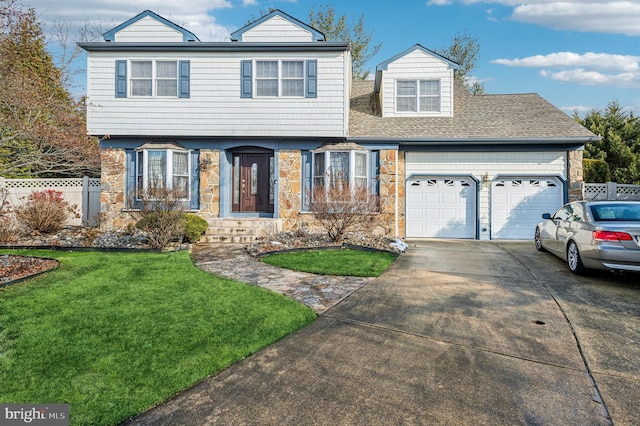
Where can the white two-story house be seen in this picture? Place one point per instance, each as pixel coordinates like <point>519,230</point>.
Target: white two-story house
<point>246,128</point>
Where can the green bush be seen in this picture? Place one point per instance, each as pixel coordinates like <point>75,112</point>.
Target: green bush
<point>193,227</point>
<point>596,171</point>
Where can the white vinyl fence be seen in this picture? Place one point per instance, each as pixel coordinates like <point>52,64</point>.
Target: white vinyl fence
<point>82,192</point>
<point>611,191</point>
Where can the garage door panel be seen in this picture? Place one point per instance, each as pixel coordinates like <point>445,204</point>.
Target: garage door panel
<point>447,206</point>
<point>518,204</point>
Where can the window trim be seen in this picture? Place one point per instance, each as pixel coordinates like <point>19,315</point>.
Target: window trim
<point>142,174</point>
<point>249,78</point>
<point>418,96</point>
<point>155,78</point>
<point>326,176</point>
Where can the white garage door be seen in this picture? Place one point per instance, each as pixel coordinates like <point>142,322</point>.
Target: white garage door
<point>517,205</point>
<point>441,207</point>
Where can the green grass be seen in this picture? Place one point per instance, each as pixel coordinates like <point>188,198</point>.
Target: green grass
<point>353,263</point>
<point>113,334</point>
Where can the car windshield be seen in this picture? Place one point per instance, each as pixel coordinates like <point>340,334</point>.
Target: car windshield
<point>615,212</point>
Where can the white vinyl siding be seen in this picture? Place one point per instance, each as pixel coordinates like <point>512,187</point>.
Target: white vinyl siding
<point>148,29</point>
<point>419,78</point>
<point>214,106</point>
<point>487,167</point>
<point>277,29</point>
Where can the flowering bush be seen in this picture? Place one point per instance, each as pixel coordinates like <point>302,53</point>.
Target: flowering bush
<point>45,211</point>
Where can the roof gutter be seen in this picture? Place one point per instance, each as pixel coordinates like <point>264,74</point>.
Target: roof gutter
<point>476,141</point>
<point>213,47</point>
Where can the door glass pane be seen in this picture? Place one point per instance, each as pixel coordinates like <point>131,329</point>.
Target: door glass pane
<point>254,178</point>
<point>236,180</point>
<point>272,179</point>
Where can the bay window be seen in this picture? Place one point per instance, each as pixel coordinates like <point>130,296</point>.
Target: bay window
<point>160,169</point>
<point>340,169</point>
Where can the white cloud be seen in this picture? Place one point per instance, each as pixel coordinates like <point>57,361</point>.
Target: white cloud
<point>603,16</point>
<point>589,69</point>
<point>108,13</point>
<point>599,61</point>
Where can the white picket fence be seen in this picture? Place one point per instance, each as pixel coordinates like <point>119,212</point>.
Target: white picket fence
<point>611,191</point>
<point>83,193</point>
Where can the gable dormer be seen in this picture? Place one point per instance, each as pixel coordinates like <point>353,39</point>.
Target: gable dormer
<point>415,83</point>
<point>277,27</point>
<point>149,27</point>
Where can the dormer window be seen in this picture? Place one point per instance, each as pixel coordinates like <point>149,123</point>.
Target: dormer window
<point>418,96</point>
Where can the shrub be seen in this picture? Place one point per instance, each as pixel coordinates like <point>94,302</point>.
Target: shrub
<point>45,211</point>
<point>160,215</point>
<point>596,171</point>
<point>193,227</point>
<point>339,209</point>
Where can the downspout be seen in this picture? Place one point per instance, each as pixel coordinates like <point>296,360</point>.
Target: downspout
<point>396,207</point>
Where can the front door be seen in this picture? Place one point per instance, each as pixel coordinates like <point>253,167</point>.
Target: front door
<point>251,183</point>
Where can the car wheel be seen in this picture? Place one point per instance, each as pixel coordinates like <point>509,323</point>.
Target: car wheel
<point>538,241</point>
<point>573,258</point>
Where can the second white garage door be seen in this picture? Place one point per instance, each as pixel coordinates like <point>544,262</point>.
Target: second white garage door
<point>441,207</point>
<point>517,205</point>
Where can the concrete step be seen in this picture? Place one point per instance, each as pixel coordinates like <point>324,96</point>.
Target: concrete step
<point>240,230</point>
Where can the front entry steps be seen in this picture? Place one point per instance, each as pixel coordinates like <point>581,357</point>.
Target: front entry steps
<point>240,230</point>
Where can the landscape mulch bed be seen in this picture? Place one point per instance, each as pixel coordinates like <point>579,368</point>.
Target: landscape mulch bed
<point>15,268</point>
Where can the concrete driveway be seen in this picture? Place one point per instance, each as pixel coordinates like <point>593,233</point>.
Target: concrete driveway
<point>455,332</point>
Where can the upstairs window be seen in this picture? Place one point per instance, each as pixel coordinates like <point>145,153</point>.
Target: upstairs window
<point>278,78</point>
<point>266,78</point>
<point>418,95</point>
<point>152,78</point>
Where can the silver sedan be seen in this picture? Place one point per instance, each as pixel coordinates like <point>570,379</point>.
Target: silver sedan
<point>593,234</point>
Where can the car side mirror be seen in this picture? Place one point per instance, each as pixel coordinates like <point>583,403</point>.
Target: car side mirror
<point>546,216</point>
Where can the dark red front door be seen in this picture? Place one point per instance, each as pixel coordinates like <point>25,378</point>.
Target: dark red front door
<point>251,183</point>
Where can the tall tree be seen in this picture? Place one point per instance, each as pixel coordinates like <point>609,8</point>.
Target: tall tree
<point>619,145</point>
<point>338,28</point>
<point>42,128</point>
<point>464,50</point>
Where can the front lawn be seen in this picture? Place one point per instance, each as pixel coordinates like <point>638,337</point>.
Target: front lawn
<point>114,334</point>
<point>353,263</point>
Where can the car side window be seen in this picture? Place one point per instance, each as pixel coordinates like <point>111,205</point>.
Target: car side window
<point>576,213</point>
<point>562,213</point>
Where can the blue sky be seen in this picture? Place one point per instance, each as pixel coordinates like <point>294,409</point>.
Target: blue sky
<point>578,54</point>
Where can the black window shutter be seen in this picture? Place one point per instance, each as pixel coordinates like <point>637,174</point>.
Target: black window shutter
<point>121,79</point>
<point>374,172</point>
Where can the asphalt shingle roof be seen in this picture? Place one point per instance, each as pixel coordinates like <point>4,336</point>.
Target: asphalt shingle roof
<point>519,116</point>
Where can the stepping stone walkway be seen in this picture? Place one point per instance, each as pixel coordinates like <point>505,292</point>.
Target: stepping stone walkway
<point>318,292</point>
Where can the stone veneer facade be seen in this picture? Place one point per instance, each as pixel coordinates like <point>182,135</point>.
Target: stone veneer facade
<point>391,219</point>
<point>575,175</point>
<point>112,180</point>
